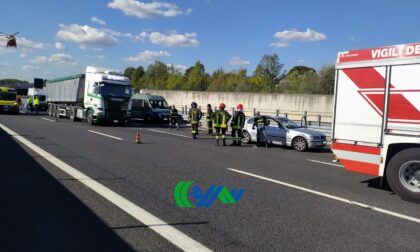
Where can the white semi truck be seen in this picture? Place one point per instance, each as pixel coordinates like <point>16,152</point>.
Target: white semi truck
<point>99,95</point>
<point>376,126</point>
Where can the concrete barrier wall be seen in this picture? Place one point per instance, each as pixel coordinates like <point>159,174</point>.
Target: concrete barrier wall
<point>266,103</point>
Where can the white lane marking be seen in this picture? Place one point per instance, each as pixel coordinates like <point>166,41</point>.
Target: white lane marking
<point>316,161</point>
<point>167,231</point>
<point>377,209</point>
<point>169,133</point>
<point>103,134</point>
<point>46,119</point>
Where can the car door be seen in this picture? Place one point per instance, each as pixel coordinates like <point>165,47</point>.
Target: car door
<point>275,132</point>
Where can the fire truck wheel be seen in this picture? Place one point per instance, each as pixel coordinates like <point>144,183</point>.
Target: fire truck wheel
<point>403,174</point>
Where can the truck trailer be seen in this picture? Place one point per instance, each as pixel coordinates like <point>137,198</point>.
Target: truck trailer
<point>376,124</point>
<point>99,96</point>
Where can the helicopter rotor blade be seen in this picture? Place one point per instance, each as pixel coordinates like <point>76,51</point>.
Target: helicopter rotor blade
<point>16,33</point>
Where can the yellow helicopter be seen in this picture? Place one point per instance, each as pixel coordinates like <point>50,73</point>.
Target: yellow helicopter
<point>11,39</point>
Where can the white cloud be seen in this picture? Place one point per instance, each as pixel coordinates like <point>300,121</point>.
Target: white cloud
<point>148,56</point>
<point>98,21</point>
<point>280,44</point>
<point>100,56</point>
<point>87,35</point>
<point>59,46</point>
<point>286,36</point>
<point>27,67</point>
<point>178,67</point>
<point>188,11</point>
<point>146,10</point>
<point>39,60</point>
<point>61,58</point>
<point>308,35</point>
<point>95,49</point>
<point>172,39</point>
<point>23,55</point>
<point>237,61</point>
<point>300,61</point>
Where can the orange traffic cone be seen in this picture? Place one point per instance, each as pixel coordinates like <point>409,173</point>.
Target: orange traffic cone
<point>138,137</point>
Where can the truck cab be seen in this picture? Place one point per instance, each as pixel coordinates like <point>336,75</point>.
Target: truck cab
<point>8,102</point>
<point>150,108</point>
<point>107,96</point>
<point>42,96</point>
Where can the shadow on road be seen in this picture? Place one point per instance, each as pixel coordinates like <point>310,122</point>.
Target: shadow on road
<point>38,214</point>
<point>378,183</point>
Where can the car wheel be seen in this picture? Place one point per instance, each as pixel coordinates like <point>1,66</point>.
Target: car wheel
<point>89,117</point>
<point>300,144</point>
<point>247,137</point>
<point>403,174</point>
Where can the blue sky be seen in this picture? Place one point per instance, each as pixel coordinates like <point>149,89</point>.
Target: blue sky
<point>59,38</point>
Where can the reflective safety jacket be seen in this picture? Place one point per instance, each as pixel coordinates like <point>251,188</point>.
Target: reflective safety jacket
<point>174,113</point>
<point>221,118</point>
<point>30,100</point>
<point>209,115</point>
<point>36,101</point>
<point>260,121</point>
<point>238,120</point>
<point>194,115</point>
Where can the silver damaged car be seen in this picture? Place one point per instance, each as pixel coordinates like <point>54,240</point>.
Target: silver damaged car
<point>282,131</point>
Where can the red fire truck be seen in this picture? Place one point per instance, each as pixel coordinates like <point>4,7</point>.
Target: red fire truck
<point>376,126</point>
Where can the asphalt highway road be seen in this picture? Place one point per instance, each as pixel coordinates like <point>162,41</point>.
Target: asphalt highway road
<point>292,201</point>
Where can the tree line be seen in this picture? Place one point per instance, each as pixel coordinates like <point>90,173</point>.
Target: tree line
<point>268,76</point>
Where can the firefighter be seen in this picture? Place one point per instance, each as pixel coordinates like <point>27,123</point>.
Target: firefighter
<point>30,104</point>
<point>261,122</point>
<point>174,120</point>
<point>194,116</point>
<point>221,119</point>
<point>209,119</point>
<point>36,104</point>
<point>237,124</point>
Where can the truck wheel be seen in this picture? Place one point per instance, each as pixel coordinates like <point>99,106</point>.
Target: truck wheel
<point>89,117</point>
<point>72,114</point>
<point>50,110</point>
<point>247,137</point>
<point>54,111</point>
<point>300,144</point>
<point>403,174</point>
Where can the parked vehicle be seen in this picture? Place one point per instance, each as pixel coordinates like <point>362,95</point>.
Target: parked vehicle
<point>8,103</point>
<point>100,95</point>
<point>150,108</point>
<point>376,125</point>
<point>42,96</point>
<point>282,131</point>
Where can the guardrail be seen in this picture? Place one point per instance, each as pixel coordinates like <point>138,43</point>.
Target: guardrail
<point>311,121</point>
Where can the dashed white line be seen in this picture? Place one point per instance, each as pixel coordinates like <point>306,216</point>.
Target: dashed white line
<point>169,133</point>
<point>46,119</point>
<point>103,134</point>
<point>320,162</point>
<point>167,231</point>
<point>377,209</point>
